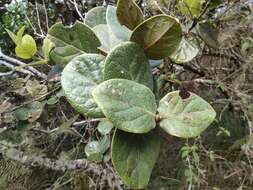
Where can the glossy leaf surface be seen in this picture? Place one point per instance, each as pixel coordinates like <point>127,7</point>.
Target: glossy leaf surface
<point>160,36</point>
<point>27,48</point>
<point>129,14</point>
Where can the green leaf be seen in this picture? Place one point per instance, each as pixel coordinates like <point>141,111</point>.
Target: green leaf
<point>160,36</point>
<point>27,48</point>
<point>190,8</point>
<point>94,150</point>
<point>13,37</point>
<point>104,127</point>
<point>106,37</point>
<point>185,118</point>
<point>20,34</point>
<point>79,78</point>
<point>128,61</point>
<point>134,156</point>
<point>96,16</point>
<point>128,105</point>
<point>72,41</point>
<point>120,31</point>
<point>209,34</point>
<point>186,51</point>
<point>129,14</point>
<point>47,47</point>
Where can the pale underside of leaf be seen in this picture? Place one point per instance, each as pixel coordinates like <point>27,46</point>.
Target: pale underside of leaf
<point>106,37</point>
<point>96,16</point>
<point>120,31</point>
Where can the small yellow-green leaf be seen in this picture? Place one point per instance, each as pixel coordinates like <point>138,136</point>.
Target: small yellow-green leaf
<point>47,47</point>
<point>27,48</point>
<point>96,16</point>
<point>190,8</point>
<point>128,61</point>
<point>20,34</point>
<point>129,14</point>
<point>185,118</point>
<point>160,36</point>
<point>134,156</point>
<point>128,105</point>
<point>186,51</point>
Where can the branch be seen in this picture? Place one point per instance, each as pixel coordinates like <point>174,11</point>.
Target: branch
<point>16,62</point>
<point>59,165</point>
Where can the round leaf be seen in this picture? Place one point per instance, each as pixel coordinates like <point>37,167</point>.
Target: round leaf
<point>186,51</point>
<point>27,48</point>
<point>134,156</point>
<point>96,16</point>
<point>160,36</point>
<point>129,14</point>
<point>185,118</point>
<point>128,105</point>
<point>79,78</point>
<point>128,61</point>
<point>72,41</point>
<point>120,31</point>
<point>106,37</point>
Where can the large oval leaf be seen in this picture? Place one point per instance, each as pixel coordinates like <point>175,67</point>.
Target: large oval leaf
<point>72,41</point>
<point>129,14</point>
<point>128,105</point>
<point>106,37</point>
<point>128,61</point>
<point>186,51</point>
<point>120,31</point>
<point>134,156</point>
<point>185,118</point>
<point>96,16</point>
<point>159,35</point>
<point>79,78</point>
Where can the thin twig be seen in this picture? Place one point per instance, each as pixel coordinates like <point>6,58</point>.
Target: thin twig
<point>16,62</point>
